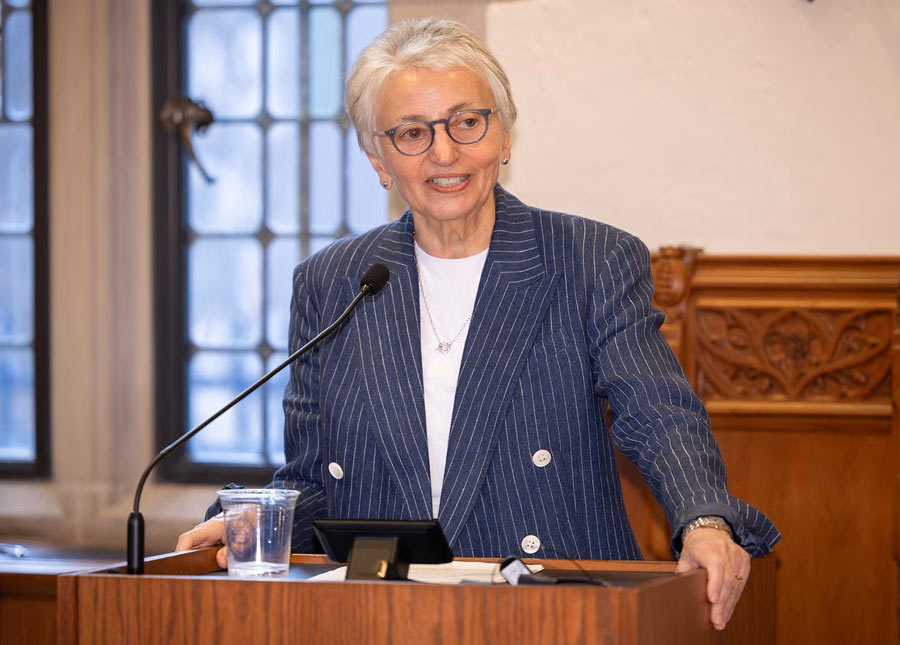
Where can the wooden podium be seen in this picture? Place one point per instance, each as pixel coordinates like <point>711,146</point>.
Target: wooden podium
<point>181,600</point>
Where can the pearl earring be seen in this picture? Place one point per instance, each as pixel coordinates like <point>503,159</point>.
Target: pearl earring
<point>505,160</point>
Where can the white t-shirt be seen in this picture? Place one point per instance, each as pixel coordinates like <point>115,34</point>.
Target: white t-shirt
<point>451,286</point>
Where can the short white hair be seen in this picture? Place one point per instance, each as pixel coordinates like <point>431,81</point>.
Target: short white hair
<point>439,45</point>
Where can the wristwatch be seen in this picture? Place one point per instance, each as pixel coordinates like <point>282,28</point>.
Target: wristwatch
<point>707,522</point>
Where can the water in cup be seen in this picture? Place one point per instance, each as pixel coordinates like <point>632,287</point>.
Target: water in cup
<point>258,526</point>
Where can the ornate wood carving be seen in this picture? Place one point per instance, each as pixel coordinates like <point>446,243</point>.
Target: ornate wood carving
<point>793,354</point>
<point>673,269</point>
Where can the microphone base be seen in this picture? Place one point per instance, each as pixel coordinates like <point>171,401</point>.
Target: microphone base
<point>135,543</point>
<point>376,558</point>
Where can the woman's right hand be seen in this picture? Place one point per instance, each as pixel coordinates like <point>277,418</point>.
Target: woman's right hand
<point>209,533</point>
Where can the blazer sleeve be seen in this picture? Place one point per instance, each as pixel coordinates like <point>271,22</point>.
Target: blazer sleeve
<point>657,421</point>
<point>302,419</point>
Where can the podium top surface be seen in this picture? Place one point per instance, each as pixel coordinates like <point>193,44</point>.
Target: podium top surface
<point>201,562</point>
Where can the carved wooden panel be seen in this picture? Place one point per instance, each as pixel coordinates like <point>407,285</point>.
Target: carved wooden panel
<point>798,362</point>
<point>792,354</point>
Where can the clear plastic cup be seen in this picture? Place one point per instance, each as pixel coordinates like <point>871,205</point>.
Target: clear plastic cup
<point>258,523</point>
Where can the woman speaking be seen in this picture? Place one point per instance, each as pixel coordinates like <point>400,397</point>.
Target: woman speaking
<point>474,387</point>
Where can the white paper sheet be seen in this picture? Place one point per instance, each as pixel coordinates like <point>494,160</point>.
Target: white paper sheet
<point>451,573</point>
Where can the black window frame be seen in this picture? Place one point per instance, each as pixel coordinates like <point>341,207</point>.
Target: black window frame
<point>170,263</point>
<point>171,238</point>
<point>40,467</point>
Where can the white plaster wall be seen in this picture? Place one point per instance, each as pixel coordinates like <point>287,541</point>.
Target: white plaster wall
<point>759,126</point>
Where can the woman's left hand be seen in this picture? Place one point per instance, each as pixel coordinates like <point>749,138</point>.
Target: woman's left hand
<point>727,566</point>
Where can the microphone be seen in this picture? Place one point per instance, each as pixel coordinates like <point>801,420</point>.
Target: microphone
<point>374,279</point>
<point>372,282</point>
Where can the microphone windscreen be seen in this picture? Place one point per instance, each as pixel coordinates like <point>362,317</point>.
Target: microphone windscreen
<point>375,278</point>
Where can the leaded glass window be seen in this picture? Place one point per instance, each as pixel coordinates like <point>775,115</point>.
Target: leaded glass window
<point>23,414</point>
<point>289,178</point>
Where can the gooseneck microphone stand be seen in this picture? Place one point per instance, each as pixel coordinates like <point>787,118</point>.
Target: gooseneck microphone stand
<point>372,282</point>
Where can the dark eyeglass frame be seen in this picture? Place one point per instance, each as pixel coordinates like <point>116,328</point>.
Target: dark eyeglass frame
<point>485,112</point>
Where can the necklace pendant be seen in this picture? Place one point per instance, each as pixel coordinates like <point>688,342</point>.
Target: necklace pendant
<point>443,348</point>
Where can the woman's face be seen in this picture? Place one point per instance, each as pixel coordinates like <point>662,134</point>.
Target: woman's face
<point>449,181</point>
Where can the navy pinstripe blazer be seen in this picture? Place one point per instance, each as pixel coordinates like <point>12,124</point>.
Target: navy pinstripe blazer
<point>562,326</point>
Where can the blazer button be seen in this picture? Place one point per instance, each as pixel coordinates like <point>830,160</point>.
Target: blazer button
<point>541,458</point>
<point>530,544</point>
<point>335,469</point>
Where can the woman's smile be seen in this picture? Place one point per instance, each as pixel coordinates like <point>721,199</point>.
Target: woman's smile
<point>449,184</point>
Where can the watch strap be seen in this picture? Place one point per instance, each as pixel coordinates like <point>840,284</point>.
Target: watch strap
<point>707,522</point>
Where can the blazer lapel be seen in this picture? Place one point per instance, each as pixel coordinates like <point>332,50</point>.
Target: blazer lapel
<point>390,352</point>
<point>512,300</point>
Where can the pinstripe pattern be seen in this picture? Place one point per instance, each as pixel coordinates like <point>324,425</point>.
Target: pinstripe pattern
<point>562,325</point>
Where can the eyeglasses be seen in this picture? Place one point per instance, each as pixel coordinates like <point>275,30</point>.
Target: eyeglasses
<point>414,138</point>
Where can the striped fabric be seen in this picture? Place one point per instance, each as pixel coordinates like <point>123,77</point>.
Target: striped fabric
<point>562,327</point>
